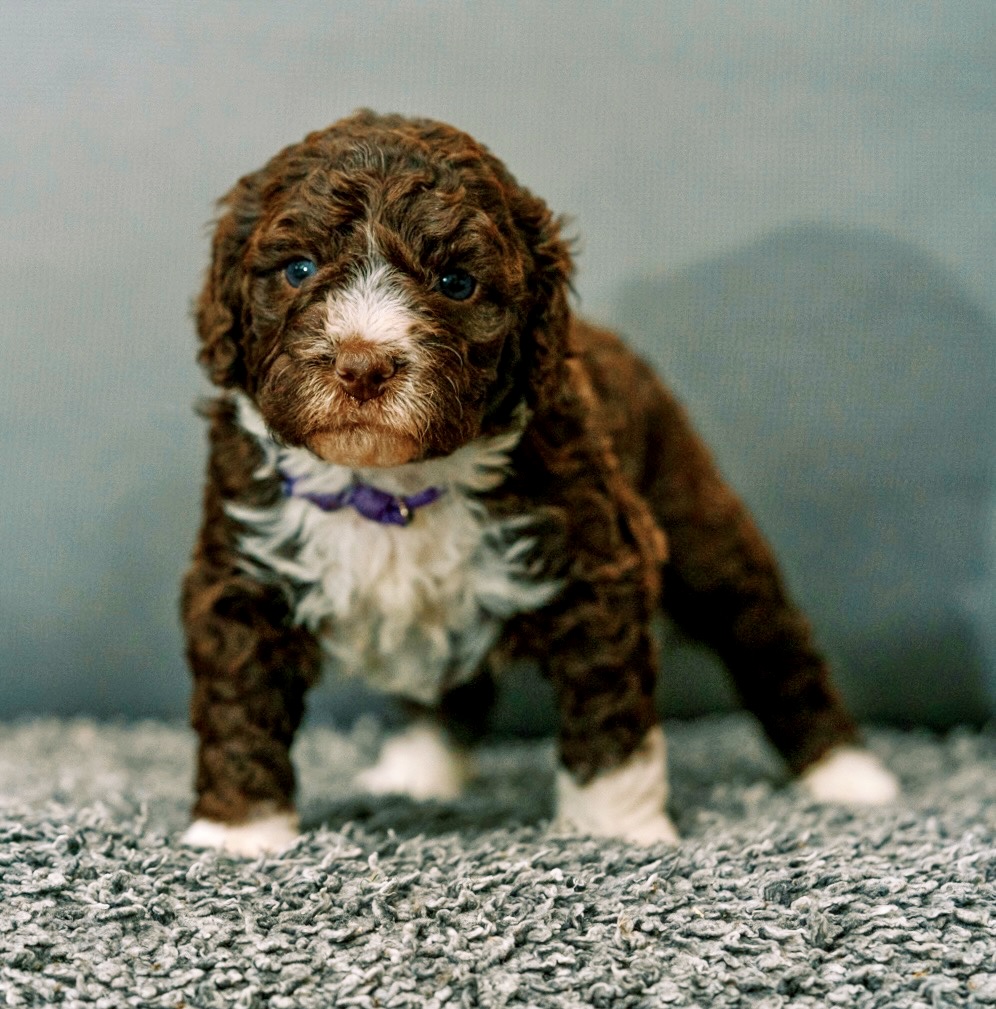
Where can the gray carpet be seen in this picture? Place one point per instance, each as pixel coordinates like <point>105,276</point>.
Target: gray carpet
<point>769,902</point>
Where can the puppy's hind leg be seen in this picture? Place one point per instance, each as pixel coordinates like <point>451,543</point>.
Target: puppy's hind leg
<point>722,587</point>
<point>430,758</point>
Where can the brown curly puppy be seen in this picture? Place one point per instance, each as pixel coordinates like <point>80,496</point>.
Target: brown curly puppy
<point>422,464</point>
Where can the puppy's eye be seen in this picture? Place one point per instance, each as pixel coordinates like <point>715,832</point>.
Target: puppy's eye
<point>458,285</point>
<point>298,271</point>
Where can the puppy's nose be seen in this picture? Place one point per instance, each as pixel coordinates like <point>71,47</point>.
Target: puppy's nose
<point>363,370</point>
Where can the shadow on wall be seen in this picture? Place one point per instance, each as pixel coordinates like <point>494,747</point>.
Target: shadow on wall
<point>846,384</point>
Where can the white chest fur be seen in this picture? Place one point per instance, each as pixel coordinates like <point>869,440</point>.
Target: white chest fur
<point>412,609</point>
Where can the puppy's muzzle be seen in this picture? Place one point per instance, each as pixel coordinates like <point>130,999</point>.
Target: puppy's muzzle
<point>364,371</point>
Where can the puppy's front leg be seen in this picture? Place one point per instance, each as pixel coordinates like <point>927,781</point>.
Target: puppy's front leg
<point>251,670</point>
<point>612,778</point>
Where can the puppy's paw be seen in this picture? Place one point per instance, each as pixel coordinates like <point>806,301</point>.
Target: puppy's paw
<point>655,829</point>
<point>626,802</point>
<point>266,835</point>
<point>420,763</point>
<point>850,776</point>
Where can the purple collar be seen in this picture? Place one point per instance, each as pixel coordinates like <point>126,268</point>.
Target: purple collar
<point>372,503</point>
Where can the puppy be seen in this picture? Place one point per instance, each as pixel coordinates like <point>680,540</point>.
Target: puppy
<point>422,465</point>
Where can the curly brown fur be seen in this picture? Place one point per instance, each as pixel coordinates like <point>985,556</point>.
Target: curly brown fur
<point>625,506</point>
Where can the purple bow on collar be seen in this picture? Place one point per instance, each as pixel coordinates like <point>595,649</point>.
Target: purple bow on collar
<point>371,502</point>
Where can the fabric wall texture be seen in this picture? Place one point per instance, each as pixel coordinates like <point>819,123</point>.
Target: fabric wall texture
<point>788,207</point>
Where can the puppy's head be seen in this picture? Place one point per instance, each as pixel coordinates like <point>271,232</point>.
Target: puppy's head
<point>385,292</point>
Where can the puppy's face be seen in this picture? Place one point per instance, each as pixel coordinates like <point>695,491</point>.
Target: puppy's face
<point>376,290</point>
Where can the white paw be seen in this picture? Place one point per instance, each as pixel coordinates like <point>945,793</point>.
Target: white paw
<point>420,763</point>
<point>850,776</point>
<point>266,835</point>
<point>655,829</point>
<point>627,802</point>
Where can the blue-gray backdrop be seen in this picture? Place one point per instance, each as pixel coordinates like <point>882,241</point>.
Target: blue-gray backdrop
<point>788,206</point>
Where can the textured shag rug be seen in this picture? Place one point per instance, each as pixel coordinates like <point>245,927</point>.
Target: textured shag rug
<point>769,902</point>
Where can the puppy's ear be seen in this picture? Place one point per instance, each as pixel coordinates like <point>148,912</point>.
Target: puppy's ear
<point>220,307</point>
<point>545,342</point>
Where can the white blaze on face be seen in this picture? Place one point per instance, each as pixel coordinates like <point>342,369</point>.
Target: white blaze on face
<point>373,308</point>
<point>372,313</point>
